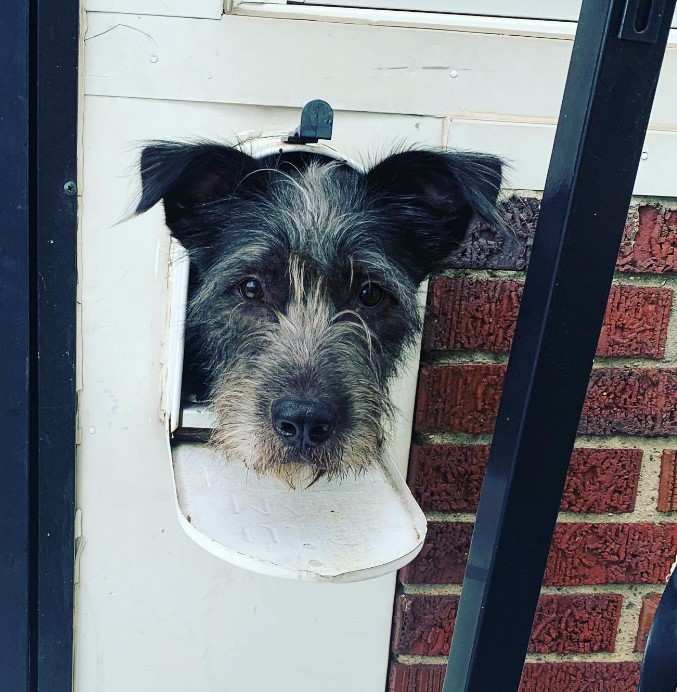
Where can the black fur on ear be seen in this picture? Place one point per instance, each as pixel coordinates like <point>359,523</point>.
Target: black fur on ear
<point>435,195</point>
<point>187,176</point>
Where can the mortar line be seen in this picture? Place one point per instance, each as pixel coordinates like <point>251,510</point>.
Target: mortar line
<point>638,591</point>
<point>599,657</point>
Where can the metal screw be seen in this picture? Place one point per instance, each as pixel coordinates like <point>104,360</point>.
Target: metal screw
<point>645,155</point>
<point>453,74</point>
<point>70,188</point>
<point>154,58</point>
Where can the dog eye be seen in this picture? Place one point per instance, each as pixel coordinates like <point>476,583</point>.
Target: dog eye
<point>371,295</point>
<point>251,289</point>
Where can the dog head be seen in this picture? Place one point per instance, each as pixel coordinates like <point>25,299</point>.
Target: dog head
<point>304,277</point>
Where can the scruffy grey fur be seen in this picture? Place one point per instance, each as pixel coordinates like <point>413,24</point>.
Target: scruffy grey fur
<point>304,276</point>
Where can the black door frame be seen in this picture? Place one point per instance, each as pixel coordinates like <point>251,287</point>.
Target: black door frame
<point>14,347</point>
<point>38,244</point>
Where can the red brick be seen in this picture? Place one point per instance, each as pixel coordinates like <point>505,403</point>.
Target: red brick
<point>448,478</point>
<point>537,677</point>
<point>579,677</point>
<point>464,398</point>
<point>611,554</point>
<point>417,678</point>
<point>458,398</point>
<point>582,553</point>
<point>485,249</point>
<point>443,556</point>
<point>576,624</point>
<point>424,624</point>
<point>636,322</point>
<point>667,488</point>
<point>602,480</point>
<point>650,241</point>
<point>646,615</point>
<point>465,314</point>
<point>631,401</point>
<point>468,315</point>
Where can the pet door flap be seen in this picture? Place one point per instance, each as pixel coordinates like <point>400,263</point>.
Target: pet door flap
<point>342,530</point>
<point>346,530</point>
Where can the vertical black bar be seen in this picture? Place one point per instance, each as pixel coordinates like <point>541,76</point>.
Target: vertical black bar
<point>602,125</point>
<point>55,131</point>
<point>14,347</point>
<point>659,665</point>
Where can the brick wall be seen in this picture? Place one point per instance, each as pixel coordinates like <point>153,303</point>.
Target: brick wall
<point>617,533</point>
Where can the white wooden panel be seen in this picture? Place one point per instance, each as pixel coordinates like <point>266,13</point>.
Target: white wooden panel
<point>205,9</point>
<point>567,10</point>
<point>156,612</point>
<point>562,10</point>
<point>506,26</point>
<point>527,148</point>
<point>354,67</point>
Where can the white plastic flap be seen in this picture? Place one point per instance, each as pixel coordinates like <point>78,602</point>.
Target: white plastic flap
<point>348,530</point>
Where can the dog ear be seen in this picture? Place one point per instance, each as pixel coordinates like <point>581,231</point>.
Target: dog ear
<point>433,197</point>
<point>187,176</point>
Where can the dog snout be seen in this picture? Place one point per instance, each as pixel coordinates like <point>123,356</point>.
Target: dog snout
<point>303,423</point>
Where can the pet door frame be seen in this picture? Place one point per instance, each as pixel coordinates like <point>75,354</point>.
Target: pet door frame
<point>38,266</point>
<point>363,528</point>
<point>603,120</point>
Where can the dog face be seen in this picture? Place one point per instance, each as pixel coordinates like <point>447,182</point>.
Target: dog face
<point>302,298</point>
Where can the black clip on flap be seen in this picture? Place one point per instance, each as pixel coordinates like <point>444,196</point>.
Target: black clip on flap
<point>317,119</point>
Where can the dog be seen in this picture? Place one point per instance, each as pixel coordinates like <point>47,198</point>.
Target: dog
<point>303,288</point>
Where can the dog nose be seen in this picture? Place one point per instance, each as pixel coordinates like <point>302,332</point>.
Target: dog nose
<point>303,423</point>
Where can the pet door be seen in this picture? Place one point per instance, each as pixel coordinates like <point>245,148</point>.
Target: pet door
<point>337,530</point>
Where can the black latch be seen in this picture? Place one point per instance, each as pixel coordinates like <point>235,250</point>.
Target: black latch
<point>642,20</point>
<point>317,120</point>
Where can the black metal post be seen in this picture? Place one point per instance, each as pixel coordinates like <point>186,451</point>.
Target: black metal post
<point>612,79</point>
<point>659,665</point>
<point>54,203</point>
<point>14,347</point>
<point>38,236</point>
